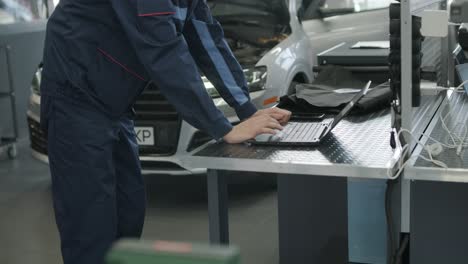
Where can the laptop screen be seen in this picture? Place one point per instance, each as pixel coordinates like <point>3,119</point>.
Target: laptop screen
<point>350,105</point>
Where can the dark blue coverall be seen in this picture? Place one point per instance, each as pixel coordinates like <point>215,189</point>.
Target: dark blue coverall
<point>99,55</point>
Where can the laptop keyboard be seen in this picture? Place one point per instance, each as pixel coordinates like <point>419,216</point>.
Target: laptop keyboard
<point>301,132</point>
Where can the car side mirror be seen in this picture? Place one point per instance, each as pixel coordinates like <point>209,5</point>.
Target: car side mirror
<point>329,12</point>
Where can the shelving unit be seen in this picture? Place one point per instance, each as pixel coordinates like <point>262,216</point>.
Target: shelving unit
<point>408,9</point>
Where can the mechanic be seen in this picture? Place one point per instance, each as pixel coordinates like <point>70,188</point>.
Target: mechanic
<point>99,56</point>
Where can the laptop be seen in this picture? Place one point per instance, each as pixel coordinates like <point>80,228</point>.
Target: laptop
<point>308,133</point>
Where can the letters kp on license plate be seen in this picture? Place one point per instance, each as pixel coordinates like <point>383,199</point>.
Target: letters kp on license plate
<point>145,136</point>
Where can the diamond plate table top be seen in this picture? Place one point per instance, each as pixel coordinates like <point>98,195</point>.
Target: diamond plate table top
<point>358,140</point>
<point>359,146</point>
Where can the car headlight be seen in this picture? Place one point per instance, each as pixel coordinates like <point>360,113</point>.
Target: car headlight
<point>256,80</point>
<point>36,82</point>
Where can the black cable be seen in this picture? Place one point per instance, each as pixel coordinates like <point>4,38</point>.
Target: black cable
<point>402,249</point>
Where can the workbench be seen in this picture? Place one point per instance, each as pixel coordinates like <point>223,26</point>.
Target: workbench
<point>312,181</point>
<point>439,197</point>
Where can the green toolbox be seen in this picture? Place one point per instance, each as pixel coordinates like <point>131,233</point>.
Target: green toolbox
<point>164,252</point>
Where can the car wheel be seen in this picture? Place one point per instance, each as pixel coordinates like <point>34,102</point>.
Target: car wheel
<point>292,88</point>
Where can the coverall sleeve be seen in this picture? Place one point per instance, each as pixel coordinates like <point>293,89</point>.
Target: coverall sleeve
<point>214,57</point>
<point>165,54</point>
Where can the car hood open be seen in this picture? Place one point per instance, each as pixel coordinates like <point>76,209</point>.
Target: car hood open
<point>252,27</point>
<point>254,21</point>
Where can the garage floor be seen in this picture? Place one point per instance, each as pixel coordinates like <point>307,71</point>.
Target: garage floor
<point>177,210</point>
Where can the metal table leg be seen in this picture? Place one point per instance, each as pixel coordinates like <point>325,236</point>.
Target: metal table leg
<point>218,207</point>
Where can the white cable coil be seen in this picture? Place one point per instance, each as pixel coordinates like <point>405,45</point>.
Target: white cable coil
<point>458,142</point>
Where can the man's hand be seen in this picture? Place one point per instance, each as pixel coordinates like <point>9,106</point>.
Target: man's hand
<point>252,127</point>
<point>279,114</point>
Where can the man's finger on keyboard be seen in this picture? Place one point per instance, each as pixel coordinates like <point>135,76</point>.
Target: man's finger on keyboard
<point>268,131</point>
<point>275,125</point>
<point>277,116</point>
<point>277,122</point>
<point>282,111</point>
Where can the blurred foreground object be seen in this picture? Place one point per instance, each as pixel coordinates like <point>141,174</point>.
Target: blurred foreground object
<point>164,252</point>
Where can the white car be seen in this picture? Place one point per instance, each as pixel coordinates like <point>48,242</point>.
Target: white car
<point>269,41</point>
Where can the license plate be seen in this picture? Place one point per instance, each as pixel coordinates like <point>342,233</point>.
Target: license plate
<point>145,136</point>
